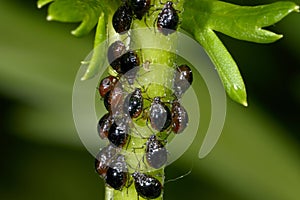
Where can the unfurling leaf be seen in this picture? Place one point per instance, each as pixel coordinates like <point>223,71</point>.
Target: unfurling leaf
<point>85,11</point>
<point>240,22</point>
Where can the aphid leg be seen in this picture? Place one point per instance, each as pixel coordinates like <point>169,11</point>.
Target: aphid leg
<point>161,2</point>
<point>128,184</point>
<point>145,21</point>
<point>129,139</point>
<point>147,124</point>
<point>143,159</point>
<point>136,131</point>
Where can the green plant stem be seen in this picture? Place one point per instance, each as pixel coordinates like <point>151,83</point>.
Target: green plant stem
<point>136,148</point>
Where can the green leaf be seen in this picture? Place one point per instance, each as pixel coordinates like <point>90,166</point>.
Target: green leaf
<point>225,65</point>
<point>98,56</point>
<point>241,22</point>
<point>85,11</point>
<point>246,22</point>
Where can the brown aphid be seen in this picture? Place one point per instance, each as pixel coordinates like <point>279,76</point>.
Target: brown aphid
<point>180,117</point>
<point>104,158</point>
<point>107,84</point>
<point>104,125</point>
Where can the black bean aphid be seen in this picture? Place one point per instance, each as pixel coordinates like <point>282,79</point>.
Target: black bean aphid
<point>180,117</point>
<point>129,60</point>
<point>168,19</point>
<point>140,7</point>
<point>122,19</point>
<point>107,84</point>
<point>114,52</point>
<point>133,104</point>
<point>104,125</point>
<point>156,153</point>
<point>160,115</point>
<point>118,134</point>
<point>103,159</point>
<point>147,186</point>
<point>183,79</point>
<point>117,174</point>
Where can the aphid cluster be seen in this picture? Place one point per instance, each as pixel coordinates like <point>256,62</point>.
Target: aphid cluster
<point>166,21</point>
<point>128,101</point>
<point>162,118</point>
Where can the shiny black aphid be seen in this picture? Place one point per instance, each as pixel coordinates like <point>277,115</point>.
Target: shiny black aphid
<point>122,19</point>
<point>180,117</point>
<point>118,134</point>
<point>147,186</point>
<point>129,60</point>
<point>133,104</point>
<point>168,19</point>
<point>114,52</point>
<point>104,125</point>
<point>117,174</point>
<point>156,153</point>
<point>160,115</point>
<point>183,79</point>
<point>103,159</point>
<point>140,7</point>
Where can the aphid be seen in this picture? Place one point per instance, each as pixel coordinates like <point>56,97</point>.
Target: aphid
<point>147,186</point>
<point>129,60</point>
<point>107,101</point>
<point>140,7</point>
<point>129,65</point>
<point>117,174</point>
<point>103,159</point>
<point>160,115</point>
<point>122,19</point>
<point>168,19</point>
<point>180,117</point>
<point>104,125</point>
<point>156,153</point>
<point>133,103</point>
<point>118,134</point>
<point>183,79</point>
<point>114,52</point>
<point>113,100</point>
<point>107,84</point>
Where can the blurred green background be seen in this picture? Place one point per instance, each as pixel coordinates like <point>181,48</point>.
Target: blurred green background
<point>256,158</point>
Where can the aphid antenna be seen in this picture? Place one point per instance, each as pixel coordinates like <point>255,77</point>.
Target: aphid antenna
<point>179,177</point>
<point>138,133</point>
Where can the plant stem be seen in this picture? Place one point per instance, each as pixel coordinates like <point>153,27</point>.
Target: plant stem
<point>135,151</point>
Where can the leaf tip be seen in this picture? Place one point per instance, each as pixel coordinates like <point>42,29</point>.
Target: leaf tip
<point>297,8</point>
<point>87,75</point>
<point>73,32</point>
<point>83,78</point>
<point>49,18</point>
<point>244,103</point>
<point>77,32</point>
